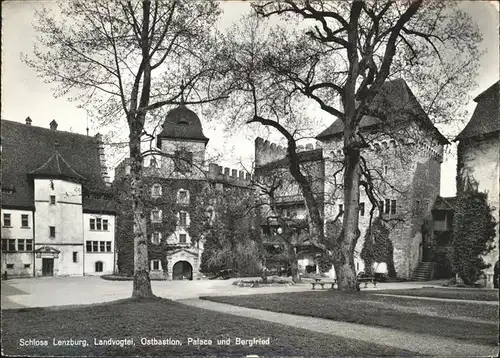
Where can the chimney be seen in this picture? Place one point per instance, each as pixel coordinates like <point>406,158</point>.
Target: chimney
<point>53,125</point>
<point>28,121</point>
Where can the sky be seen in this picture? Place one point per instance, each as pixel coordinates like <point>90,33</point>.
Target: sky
<point>24,94</point>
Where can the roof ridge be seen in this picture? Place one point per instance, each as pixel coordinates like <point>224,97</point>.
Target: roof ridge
<point>48,129</point>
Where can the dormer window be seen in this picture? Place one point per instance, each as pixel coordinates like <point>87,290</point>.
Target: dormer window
<point>156,191</point>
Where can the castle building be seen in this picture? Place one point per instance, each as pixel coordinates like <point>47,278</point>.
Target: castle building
<point>58,215</point>
<point>479,159</point>
<point>403,162</point>
<point>176,183</point>
<point>281,197</point>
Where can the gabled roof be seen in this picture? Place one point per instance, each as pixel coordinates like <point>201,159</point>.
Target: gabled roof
<point>395,104</point>
<point>447,204</point>
<point>56,167</point>
<point>486,117</point>
<point>29,150</point>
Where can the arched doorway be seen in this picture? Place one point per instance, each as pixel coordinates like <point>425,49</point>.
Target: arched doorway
<point>182,271</point>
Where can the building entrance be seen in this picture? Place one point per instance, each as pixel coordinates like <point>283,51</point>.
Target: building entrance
<point>47,267</point>
<point>182,271</point>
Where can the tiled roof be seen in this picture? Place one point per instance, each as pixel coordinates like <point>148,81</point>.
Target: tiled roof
<point>29,150</point>
<point>306,156</point>
<point>486,117</point>
<point>182,123</point>
<point>56,167</point>
<point>395,104</point>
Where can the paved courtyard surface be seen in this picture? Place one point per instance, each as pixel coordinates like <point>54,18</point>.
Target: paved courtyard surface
<point>52,291</point>
<point>421,343</point>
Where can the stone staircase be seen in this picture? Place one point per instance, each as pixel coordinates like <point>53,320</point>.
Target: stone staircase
<point>423,272</point>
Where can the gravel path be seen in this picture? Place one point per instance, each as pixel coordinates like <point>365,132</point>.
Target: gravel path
<point>424,344</point>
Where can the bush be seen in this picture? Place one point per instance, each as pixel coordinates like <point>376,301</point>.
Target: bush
<point>473,235</point>
<point>443,257</point>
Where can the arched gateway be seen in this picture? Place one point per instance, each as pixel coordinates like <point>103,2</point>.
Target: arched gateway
<point>182,271</point>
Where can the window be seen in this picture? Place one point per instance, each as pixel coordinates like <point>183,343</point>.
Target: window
<point>182,238</point>
<point>89,246</point>
<point>29,244</point>
<point>183,196</point>
<point>12,245</point>
<point>341,209</point>
<point>75,256</point>
<point>20,245</point>
<point>183,161</point>
<point>98,224</point>
<point>99,266</point>
<point>387,206</point>
<point>6,220</point>
<point>156,238</point>
<point>52,200</point>
<point>155,264</point>
<point>156,215</point>
<point>108,246</point>
<point>52,231</point>
<point>24,220</point>
<point>381,206</point>
<point>95,246</point>
<point>385,169</point>
<point>417,205</point>
<point>102,246</point>
<point>27,265</point>
<point>156,191</point>
<point>183,218</point>
<point>10,266</point>
<point>362,209</point>
<point>393,206</point>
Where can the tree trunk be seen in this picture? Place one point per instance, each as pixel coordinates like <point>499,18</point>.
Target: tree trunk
<point>344,267</point>
<point>294,267</point>
<point>142,284</point>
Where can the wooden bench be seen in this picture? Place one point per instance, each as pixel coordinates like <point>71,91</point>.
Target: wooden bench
<point>318,281</point>
<point>367,280</point>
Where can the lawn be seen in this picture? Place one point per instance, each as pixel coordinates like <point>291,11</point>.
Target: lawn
<point>455,293</point>
<point>459,320</point>
<point>164,320</point>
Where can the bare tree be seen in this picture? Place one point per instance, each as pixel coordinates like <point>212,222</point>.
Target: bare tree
<point>339,55</point>
<point>123,60</point>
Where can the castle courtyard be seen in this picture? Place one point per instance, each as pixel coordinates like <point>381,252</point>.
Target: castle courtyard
<point>207,319</point>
